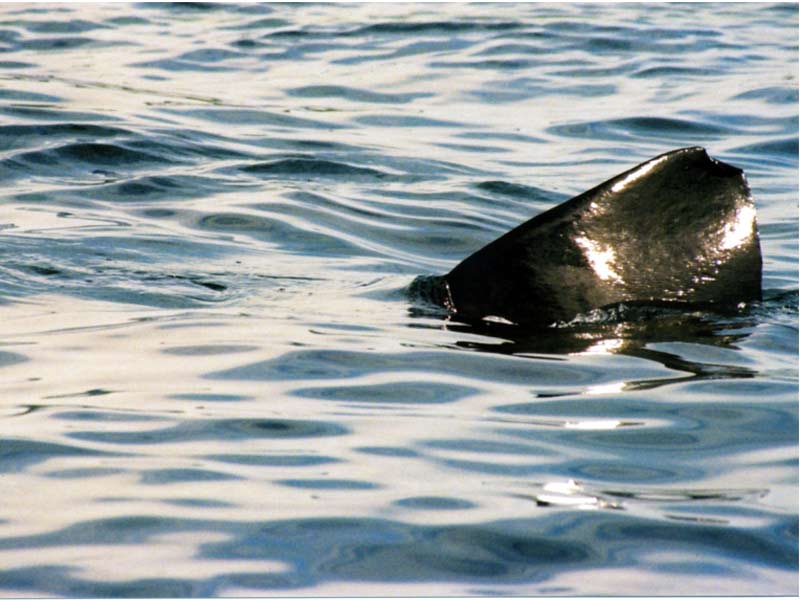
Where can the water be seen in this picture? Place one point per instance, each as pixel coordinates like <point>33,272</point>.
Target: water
<point>214,383</point>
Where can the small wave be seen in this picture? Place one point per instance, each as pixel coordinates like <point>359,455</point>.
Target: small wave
<point>352,94</point>
<point>772,95</point>
<point>786,148</point>
<point>24,135</point>
<point>176,64</point>
<point>675,72</point>
<point>67,26</point>
<point>313,167</point>
<point>423,27</point>
<point>214,429</point>
<point>401,392</point>
<point>642,127</point>
<point>250,117</point>
<point>53,113</point>
<point>78,157</point>
<point>404,121</point>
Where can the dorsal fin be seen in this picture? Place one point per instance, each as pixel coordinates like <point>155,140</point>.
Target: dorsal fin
<point>679,228</point>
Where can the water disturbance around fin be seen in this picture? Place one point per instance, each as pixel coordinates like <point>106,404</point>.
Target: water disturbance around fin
<point>678,229</point>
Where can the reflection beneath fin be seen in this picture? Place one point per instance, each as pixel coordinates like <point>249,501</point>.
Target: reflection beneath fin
<point>671,495</point>
<point>573,494</point>
<point>628,331</point>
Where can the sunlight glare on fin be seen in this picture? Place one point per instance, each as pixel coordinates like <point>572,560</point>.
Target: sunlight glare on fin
<point>601,259</point>
<point>738,231</point>
<point>637,174</point>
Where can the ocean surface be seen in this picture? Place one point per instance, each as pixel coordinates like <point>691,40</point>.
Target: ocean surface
<point>214,382</point>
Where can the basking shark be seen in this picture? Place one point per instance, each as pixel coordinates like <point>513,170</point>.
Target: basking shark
<point>678,230</point>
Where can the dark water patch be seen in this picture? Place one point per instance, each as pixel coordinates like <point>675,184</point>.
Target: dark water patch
<point>77,157</point>
<point>765,125</point>
<point>612,407</point>
<point>273,460</point>
<point>198,503</point>
<point>87,394</point>
<point>707,430</point>
<point>753,390</point>
<point>513,48</point>
<point>216,429</point>
<point>57,44</point>
<point>32,134</point>
<point>178,476</point>
<point>313,167</point>
<point>526,89</point>
<point>201,148</point>
<point>15,64</point>
<point>157,188</point>
<point>501,135</point>
<point>176,65</point>
<point>127,20</point>
<point>301,50</point>
<point>409,49</point>
<point>434,503</point>
<point>404,121</point>
<point>24,96</point>
<point>353,94</point>
<point>103,416</point>
<point>276,231</point>
<point>390,451</point>
<point>591,70</point>
<point>520,192</point>
<point>411,208</point>
<point>18,455</point>
<point>208,55</point>
<point>509,64</point>
<point>99,268</point>
<point>621,471</point>
<point>771,95</point>
<point>471,148</point>
<point>70,26</point>
<point>674,72</point>
<point>251,117</point>
<point>482,447</point>
<point>52,113</point>
<point>433,27</point>
<point>208,397</point>
<point>188,10</point>
<point>321,550</point>
<point>208,349</point>
<point>644,127</point>
<point>9,36</point>
<point>85,473</point>
<point>609,45</point>
<point>35,579</point>
<point>273,142</point>
<point>328,364</point>
<point>405,392</point>
<point>328,484</point>
<point>786,149</point>
<point>260,23</point>
<point>98,154</point>
<point>751,546</point>
<point>8,359</point>
<point>524,469</point>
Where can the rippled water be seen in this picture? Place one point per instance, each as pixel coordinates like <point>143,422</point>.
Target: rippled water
<point>214,382</point>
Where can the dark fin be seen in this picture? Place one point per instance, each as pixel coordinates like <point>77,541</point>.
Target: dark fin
<point>677,229</point>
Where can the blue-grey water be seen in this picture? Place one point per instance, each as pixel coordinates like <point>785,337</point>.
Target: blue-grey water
<point>214,383</point>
